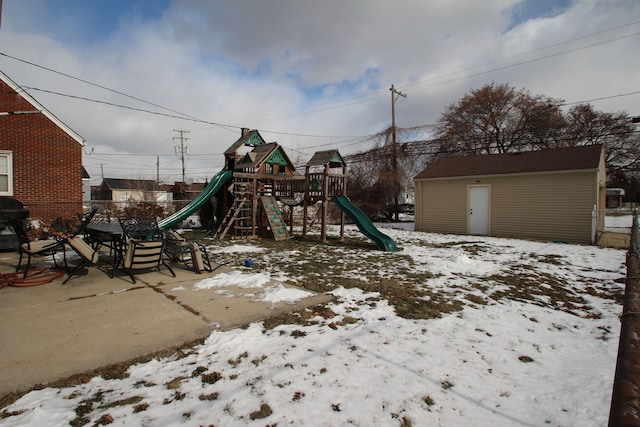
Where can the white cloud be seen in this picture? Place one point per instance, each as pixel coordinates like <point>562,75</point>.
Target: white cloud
<point>285,65</point>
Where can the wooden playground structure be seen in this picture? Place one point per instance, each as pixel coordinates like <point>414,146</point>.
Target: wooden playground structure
<point>264,179</point>
<point>259,188</point>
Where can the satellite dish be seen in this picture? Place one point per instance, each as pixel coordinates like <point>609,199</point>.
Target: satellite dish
<point>188,181</point>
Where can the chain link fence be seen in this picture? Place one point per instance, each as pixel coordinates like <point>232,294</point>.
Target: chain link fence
<point>625,398</point>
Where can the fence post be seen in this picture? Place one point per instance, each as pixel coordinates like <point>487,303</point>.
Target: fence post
<point>625,398</point>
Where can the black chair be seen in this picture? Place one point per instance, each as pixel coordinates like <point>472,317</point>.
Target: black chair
<point>144,255</point>
<point>30,248</point>
<point>143,228</point>
<point>143,245</point>
<point>85,219</point>
<point>192,254</point>
<point>88,255</point>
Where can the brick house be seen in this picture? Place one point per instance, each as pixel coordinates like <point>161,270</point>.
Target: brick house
<point>40,156</point>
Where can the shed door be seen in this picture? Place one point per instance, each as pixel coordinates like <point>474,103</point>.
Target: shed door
<point>479,210</point>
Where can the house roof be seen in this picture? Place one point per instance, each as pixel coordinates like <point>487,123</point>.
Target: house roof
<point>131,184</point>
<point>321,158</point>
<point>182,187</point>
<point>557,159</point>
<point>39,107</point>
<point>85,174</point>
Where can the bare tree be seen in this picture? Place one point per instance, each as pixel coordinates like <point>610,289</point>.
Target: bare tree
<point>586,126</point>
<point>497,118</point>
<point>377,179</point>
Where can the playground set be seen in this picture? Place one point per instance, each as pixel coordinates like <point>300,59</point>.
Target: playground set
<point>258,177</point>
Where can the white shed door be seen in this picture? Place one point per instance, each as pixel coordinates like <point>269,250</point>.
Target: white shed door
<point>479,211</point>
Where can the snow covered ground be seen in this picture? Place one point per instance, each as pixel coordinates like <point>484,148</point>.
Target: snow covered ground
<point>529,339</point>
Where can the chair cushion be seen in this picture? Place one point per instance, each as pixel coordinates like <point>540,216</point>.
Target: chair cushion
<point>40,245</point>
<point>143,253</point>
<point>84,249</point>
<point>196,257</point>
<point>175,238</point>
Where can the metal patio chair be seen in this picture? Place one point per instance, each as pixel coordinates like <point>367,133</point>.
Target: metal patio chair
<point>30,248</point>
<point>88,255</point>
<point>192,254</point>
<point>143,245</point>
<point>144,255</point>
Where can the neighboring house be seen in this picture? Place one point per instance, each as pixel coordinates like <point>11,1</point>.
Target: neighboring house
<point>186,190</point>
<point>40,156</point>
<point>86,186</point>
<point>126,191</point>
<point>540,195</point>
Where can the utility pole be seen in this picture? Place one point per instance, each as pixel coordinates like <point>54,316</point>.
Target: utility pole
<point>394,97</point>
<point>181,149</point>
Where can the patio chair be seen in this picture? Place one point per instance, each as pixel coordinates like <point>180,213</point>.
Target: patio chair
<point>144,255</point>
<point>143,228</point>
<point>85,219</point>
<point>192,254</point>
<point>88,255</point>
<point>30,248</point>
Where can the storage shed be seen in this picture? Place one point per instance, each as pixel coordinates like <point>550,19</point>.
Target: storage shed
<point>556,194</point>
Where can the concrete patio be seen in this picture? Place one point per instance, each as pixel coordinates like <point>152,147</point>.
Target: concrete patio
<point>53,331</point>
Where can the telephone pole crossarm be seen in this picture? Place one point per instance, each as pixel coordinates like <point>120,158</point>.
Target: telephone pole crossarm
<point>181,150</point>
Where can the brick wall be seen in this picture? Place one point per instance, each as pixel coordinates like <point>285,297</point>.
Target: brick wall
<point>47,162</point>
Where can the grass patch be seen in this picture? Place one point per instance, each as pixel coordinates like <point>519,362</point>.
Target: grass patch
<point>543,289</point>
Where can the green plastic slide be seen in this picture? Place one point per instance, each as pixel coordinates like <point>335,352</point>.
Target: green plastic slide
<point>364,224</point>
<point>216,183</point>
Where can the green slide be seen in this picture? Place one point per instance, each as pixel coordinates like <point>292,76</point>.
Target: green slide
<point>212,188</point>
<point>364,224</point>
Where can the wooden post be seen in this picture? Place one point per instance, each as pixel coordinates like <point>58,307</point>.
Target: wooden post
<point>325,202</point>
<point>344,193</point>
<point>307,187</point>
<point>254,207</point>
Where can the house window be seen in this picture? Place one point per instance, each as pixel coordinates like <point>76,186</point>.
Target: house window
<point>6,173</point>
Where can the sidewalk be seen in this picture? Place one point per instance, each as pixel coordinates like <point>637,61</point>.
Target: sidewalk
<point>53,331</point>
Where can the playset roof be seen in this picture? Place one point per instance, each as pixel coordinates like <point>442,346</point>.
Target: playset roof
<point>331,157</point>
<point>250,138</point>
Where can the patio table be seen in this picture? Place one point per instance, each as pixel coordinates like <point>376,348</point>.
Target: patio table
<point>111,235</point>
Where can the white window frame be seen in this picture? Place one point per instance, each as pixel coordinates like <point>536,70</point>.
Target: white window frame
<point>9,156</point>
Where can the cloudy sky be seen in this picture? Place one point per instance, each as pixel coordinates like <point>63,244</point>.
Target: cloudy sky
<point>311,75</point>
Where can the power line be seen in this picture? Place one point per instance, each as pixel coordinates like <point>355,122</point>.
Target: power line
<point>518,63</point>
<point>362,98</point>
<point>527,53</point>
<point>182,116</point>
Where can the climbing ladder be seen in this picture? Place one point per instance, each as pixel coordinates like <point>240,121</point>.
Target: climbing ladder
<point>274,216</point>
<point>236,213</point>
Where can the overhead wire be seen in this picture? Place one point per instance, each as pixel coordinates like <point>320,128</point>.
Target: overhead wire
<point>362,98</point>
<point>344,140</point>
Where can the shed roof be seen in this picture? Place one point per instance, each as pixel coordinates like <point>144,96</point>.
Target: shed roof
<point>558,159</point>
<point>321,158</point>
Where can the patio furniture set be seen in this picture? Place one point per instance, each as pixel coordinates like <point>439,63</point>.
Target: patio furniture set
<point>133,243</point>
